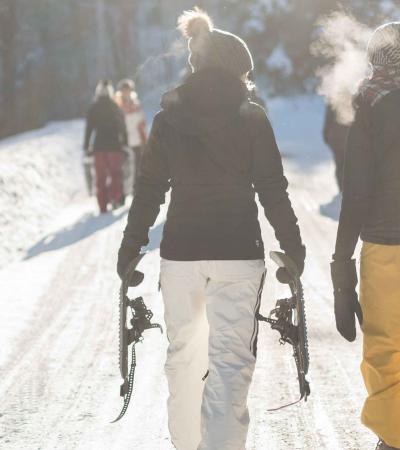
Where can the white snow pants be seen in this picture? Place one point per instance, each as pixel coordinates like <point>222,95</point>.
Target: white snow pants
<point>210,311</point>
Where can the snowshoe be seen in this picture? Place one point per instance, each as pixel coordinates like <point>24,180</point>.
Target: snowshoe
<point>88,168</point>
<point>289,319</point>
<point>134,319</point>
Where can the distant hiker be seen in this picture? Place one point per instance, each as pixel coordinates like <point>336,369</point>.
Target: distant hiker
<point>371,209</point>
<point>106,121</point>
<point>335,136</point>
<point>215,150</point>
<point>127,99</point>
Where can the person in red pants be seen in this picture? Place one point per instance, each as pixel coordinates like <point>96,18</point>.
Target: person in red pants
<point>105,121</point>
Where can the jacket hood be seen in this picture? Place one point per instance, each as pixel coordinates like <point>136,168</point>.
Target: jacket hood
<point>207,101</point>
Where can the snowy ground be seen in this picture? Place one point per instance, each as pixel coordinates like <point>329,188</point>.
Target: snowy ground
<point>59,385</point>
<point>39,171</point>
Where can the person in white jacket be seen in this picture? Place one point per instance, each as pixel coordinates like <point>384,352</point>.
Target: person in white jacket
<point>127,99</point>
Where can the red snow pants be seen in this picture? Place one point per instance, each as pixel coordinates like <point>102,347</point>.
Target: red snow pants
<point>108,167</point>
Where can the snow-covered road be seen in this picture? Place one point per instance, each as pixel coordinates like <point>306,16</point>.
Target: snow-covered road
<point>59,377</point>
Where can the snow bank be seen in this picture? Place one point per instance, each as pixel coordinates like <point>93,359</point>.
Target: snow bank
<point>40,172</point>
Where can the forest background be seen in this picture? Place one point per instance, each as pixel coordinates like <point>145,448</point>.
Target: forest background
<point>52,52</point>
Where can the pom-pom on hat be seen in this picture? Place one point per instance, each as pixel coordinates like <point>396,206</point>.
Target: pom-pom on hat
<point>384,45</point>
<point>211,47</point>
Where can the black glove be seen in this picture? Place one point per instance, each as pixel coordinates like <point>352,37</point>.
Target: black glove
<point>298,258</point>
<point>125,257</point>
<point>347,307</point>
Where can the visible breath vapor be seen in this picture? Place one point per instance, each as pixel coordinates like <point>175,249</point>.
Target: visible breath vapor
<point>342,42</point>
<point>175,51</point>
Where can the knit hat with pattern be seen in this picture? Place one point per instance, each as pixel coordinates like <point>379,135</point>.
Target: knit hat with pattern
<point>384,45</point>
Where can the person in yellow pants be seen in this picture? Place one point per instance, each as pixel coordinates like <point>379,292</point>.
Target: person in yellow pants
<point>380,302</point>
<point>371,210</point>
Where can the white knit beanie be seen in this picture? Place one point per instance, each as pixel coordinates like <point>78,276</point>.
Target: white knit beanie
<point>104,88</point>
<point>384,45</point>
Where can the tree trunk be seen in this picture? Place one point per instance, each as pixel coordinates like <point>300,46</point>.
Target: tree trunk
<point>8,44</point>
<point>82,89</point>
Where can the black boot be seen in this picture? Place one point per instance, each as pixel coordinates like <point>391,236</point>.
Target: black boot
<point>382,446</point>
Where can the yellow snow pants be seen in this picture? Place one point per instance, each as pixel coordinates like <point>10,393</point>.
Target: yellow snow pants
<point>380,302</point>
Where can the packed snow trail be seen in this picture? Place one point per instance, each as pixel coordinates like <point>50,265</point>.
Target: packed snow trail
<point>59,376</point>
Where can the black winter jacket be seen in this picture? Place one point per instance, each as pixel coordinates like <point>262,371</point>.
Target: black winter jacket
<point>215,149</point>
<point>371,191</point>
<point>107,121</point>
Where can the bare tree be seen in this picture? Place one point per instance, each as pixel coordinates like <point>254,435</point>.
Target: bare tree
<point>8,46</point>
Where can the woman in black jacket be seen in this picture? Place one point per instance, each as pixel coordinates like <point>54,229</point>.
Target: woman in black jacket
<point>106,121</point>
<point>215,150</point>
<point>371,210</point>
